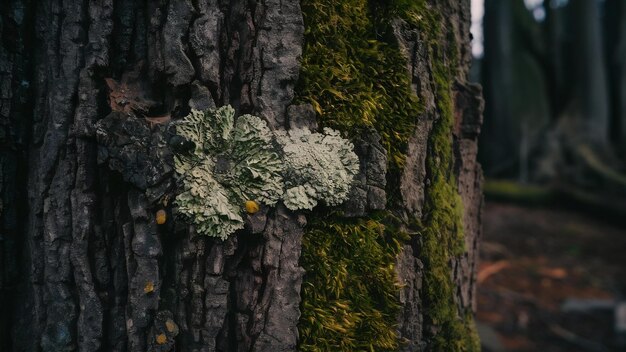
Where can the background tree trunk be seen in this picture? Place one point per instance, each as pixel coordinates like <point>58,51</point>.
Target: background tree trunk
<point>615,44</point>
<point>569,67</point>
<point>514,74</point>
<point>588,110</point>
<point>84,265</point>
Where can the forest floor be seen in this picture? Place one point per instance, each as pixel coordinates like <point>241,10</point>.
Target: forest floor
<point>550,280</point>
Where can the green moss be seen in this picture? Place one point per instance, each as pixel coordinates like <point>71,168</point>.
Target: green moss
<point>442,237</point>
<point>349,299</point>
<point>442,228</point>
<point>352,77</point>
<point>356,78</point>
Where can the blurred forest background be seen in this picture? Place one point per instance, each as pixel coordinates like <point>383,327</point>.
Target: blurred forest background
<point>553,148</point>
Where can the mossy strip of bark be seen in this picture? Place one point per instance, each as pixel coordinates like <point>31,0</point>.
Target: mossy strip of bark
<point>349,293</point>
<point>355,79</point>
<point>442,228</point>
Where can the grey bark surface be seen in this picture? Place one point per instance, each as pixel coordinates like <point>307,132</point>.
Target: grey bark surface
<point>468,116</point>
<point>95,272</point>
<point>468,109</point>
<point>84,265</point>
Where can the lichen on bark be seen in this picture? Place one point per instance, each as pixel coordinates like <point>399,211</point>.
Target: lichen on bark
<point>319,167</point>
<point>231,163</point>
<point>224,163</point>
<point>91,269</point>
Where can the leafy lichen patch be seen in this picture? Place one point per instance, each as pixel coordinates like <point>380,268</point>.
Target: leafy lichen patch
<point>318,167</point>
<point>234,164</point>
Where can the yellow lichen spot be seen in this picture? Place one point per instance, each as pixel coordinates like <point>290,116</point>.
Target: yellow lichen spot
<point>170,325</point>
<point>161,217</point>
<point>252,206</point>
<point>149,287</point>
<point>161,339</point>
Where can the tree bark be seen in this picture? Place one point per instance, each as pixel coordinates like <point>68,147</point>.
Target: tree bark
<point>84,264</point>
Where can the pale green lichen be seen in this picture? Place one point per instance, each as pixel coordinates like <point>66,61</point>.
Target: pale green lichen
<point>205,201</point>
<point>318,167</point>
<point>232,162</point>
<point>300,197</point>
<point>236,161</point>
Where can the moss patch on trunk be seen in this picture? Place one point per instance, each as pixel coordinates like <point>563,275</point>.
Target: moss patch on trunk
<point>353,78</point>
<point>349,293</point>
<point>442,227</point>
<point>356,78</point>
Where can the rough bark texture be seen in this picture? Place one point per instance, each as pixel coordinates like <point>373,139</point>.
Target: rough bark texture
<point>94,271</point>
<point>84,265</point>
<point>468,109</point>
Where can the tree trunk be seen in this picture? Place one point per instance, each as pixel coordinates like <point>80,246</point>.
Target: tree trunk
<point>84,264</point>
<point>514,74</point>
<point>588,112</point>
<point>615,43</point>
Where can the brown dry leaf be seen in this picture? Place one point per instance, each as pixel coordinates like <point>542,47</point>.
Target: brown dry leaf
<point>516,342</point>
<point>128,95</point>
<point>491,269</point>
